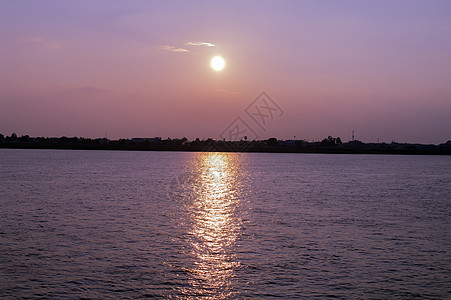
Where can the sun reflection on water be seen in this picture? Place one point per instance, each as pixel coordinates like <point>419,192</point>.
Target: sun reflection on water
<point>215,225</point>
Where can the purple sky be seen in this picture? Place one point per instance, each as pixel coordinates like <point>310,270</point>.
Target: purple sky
<point>139,69</point>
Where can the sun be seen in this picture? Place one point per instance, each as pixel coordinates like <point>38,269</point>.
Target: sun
<point>217,63</point>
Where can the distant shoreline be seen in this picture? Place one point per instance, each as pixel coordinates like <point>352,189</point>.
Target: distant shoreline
<point>225,151</point>
<point>272,145</point>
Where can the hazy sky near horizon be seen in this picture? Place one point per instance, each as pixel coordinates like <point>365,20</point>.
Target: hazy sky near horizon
<point>142,68</point>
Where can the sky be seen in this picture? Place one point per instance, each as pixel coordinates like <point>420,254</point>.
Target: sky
<point>126,69</point>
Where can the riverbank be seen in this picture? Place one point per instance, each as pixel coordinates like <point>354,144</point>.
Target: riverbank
<point>270,146</point>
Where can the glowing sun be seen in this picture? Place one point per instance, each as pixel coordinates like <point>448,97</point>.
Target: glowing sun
<point>217,63</point>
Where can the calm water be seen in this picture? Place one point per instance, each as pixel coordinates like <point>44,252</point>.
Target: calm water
<point>105,224</point>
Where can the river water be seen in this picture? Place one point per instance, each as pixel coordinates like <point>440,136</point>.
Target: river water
<point>112,224</point>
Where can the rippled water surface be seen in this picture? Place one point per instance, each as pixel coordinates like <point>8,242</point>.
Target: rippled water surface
<point>106,224</point>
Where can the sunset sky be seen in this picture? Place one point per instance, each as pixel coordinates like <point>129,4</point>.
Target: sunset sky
<point>142,68</point>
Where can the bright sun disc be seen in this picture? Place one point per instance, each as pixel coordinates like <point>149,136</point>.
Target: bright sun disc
<point>217,63</point>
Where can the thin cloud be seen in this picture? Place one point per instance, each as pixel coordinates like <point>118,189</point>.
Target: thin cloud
<point>85,91</point>
<point>46,43</point>
<point>206,44</point>
<point>228,92</point>
<point>173,49</point>
<point>89,89</point>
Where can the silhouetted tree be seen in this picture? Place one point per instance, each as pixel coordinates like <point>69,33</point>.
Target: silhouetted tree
<point>24,138</point>
<point>330,141</point>
<point>272,142</point>
<point>195,142</point>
